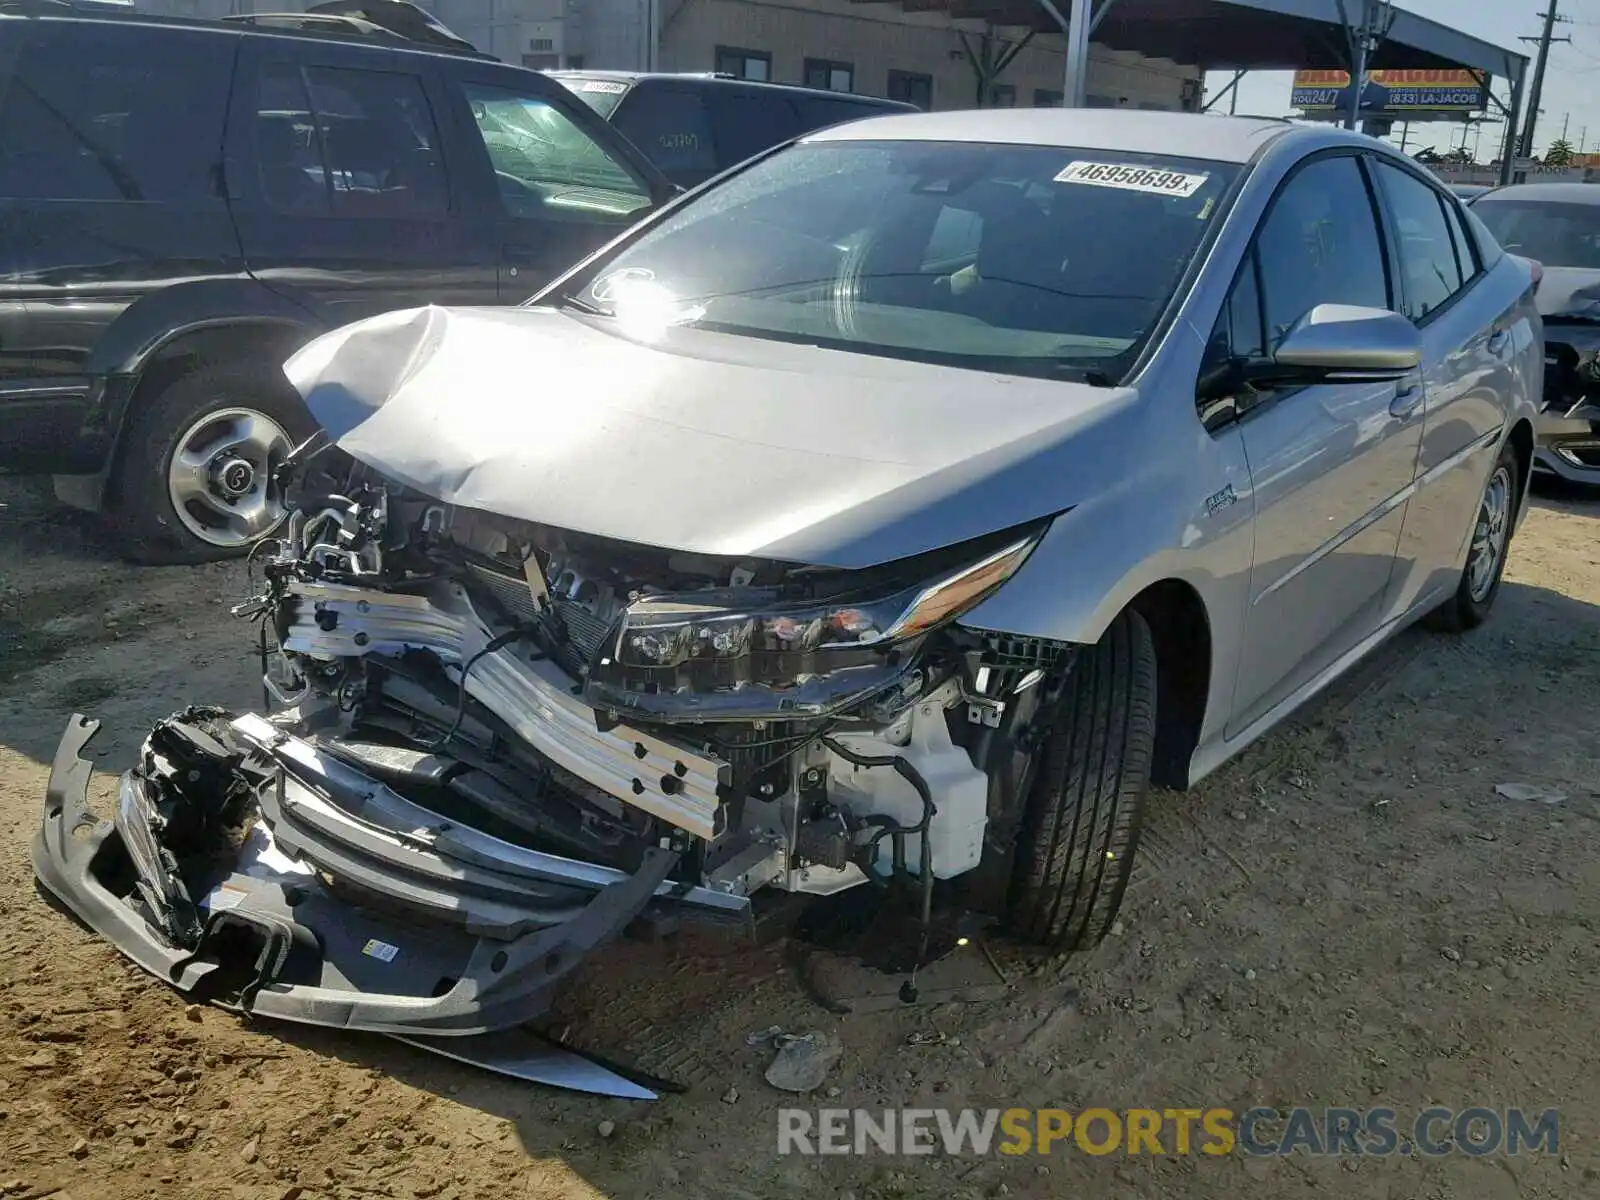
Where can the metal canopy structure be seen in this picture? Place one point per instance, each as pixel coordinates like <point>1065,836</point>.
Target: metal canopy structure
<point>1239,35</point>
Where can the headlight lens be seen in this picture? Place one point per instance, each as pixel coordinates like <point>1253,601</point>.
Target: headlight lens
<point>674,631</point>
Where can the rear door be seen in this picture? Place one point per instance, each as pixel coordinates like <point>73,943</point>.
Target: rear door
<point>345,191</point>
<point>110,153</point>
<point>552,180</point>
<point>1468,351</point>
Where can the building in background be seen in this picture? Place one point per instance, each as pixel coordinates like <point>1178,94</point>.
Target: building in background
<point>875,49</point>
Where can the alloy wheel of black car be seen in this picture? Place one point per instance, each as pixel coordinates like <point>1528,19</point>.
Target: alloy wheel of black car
<point>195,481</point>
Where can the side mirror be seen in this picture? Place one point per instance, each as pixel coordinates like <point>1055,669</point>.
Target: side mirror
<point>1343,342</point>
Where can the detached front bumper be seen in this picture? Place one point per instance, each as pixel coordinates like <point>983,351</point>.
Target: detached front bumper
<point>340,903</point>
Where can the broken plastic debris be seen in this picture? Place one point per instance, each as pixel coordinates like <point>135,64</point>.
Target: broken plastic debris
<point>1528,792</point>
<point>764,1037</point>
<point>803,1062</point>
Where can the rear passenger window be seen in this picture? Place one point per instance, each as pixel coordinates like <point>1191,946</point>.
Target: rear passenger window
<point>1319,245</point>
<point>748,122</point>
<point>115,114</point>
<point>1466,249</point>
<point>819,113</point>
<point>673,129</point>
<point>1428,263</point>
<point>347,143</point>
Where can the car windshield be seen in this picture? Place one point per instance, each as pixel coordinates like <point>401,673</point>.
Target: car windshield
<point>1025,260</point>
<point>1556,234</point>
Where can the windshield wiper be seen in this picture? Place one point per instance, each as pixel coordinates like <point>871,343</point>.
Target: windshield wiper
<point>568,300</point>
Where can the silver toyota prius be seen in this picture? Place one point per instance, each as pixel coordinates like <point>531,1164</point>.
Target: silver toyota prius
<point>900,505</point>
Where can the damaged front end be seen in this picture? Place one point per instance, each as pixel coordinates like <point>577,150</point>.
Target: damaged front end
<point>1568,445</point>
<point>491,746</point>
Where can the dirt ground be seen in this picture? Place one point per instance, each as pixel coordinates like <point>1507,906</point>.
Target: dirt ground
<point>1349,915</point>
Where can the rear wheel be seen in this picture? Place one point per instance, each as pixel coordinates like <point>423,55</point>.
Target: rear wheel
<point>1092,775</point>
<point>195,481</point>
<point>1492,528</point>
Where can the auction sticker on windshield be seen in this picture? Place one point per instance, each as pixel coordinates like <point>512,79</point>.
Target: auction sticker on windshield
<point>1133,179</point>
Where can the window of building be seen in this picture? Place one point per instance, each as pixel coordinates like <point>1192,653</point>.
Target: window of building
<point>829,75</point>
<point>744,64</point>
<point>1320,245</point>
<point>574,62</point>
<point>1045,98</point>
<point>1427,251</point>
<point>1003,95</point>
<point>120,116</point>
<point>1099,102</point>
<point>912,88</point>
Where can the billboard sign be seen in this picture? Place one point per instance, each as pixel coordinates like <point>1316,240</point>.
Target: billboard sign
<point>1397,93</point>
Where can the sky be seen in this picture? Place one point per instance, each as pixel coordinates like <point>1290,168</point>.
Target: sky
<point>1571,87</point>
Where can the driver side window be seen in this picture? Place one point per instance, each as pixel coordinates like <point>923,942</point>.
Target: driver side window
<point>1318,245</point>
<point>547,166</point>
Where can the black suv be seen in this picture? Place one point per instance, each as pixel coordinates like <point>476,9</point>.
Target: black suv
<point>183,204</point>
<point>696,126</point>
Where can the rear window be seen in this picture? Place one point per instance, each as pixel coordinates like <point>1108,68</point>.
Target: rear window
<point>1555,233</point>
<point>1026,260</point>
<point>673,128</point>
<point>116,114</point>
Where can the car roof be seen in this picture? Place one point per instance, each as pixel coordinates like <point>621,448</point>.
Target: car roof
<point>713,79</point>
<point>105,15</point>
<point>1566,193</point>
<point>1137,131</point>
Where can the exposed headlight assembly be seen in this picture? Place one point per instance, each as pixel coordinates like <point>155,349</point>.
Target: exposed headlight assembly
<point>739,653</point>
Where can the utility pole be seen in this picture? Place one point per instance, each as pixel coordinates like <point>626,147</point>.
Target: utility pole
<point>1566,123</point>
<point>1535,94</point>
<point>1364,36</point>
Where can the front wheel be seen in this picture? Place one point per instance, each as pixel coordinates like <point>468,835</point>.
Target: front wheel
<point>1092,774</point>
<point>196,477</point>
<point>1495,522</point>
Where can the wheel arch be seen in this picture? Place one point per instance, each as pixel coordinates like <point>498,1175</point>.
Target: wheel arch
<point>1521,440</point>
<point>1181,628</point>
<point>167,335</point>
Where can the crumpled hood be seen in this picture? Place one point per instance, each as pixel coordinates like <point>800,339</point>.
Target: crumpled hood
<point>705,442</point>
<point>1569,292</point>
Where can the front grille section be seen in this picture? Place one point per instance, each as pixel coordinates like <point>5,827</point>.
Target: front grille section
<point>574,634</point>
<point>579,634</point>
<point>509,591</point>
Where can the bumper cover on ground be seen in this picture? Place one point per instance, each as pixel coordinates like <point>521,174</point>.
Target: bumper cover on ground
<point>346,906</point>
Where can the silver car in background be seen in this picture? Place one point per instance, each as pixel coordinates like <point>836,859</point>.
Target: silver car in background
<point>1558,226</point>
<point>901,506</point>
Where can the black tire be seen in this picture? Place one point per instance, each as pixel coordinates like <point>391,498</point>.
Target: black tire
<point>141,509</point>
<point>1466,610</point>
<point>1080,830</point>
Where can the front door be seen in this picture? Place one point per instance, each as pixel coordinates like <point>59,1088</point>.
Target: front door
<point>1331,466</point>
<point>343,190</point>
<point>560,185</point>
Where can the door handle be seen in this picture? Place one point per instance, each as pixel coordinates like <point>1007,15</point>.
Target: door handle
<point>1406,401</point>
<point>1498,340</point>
